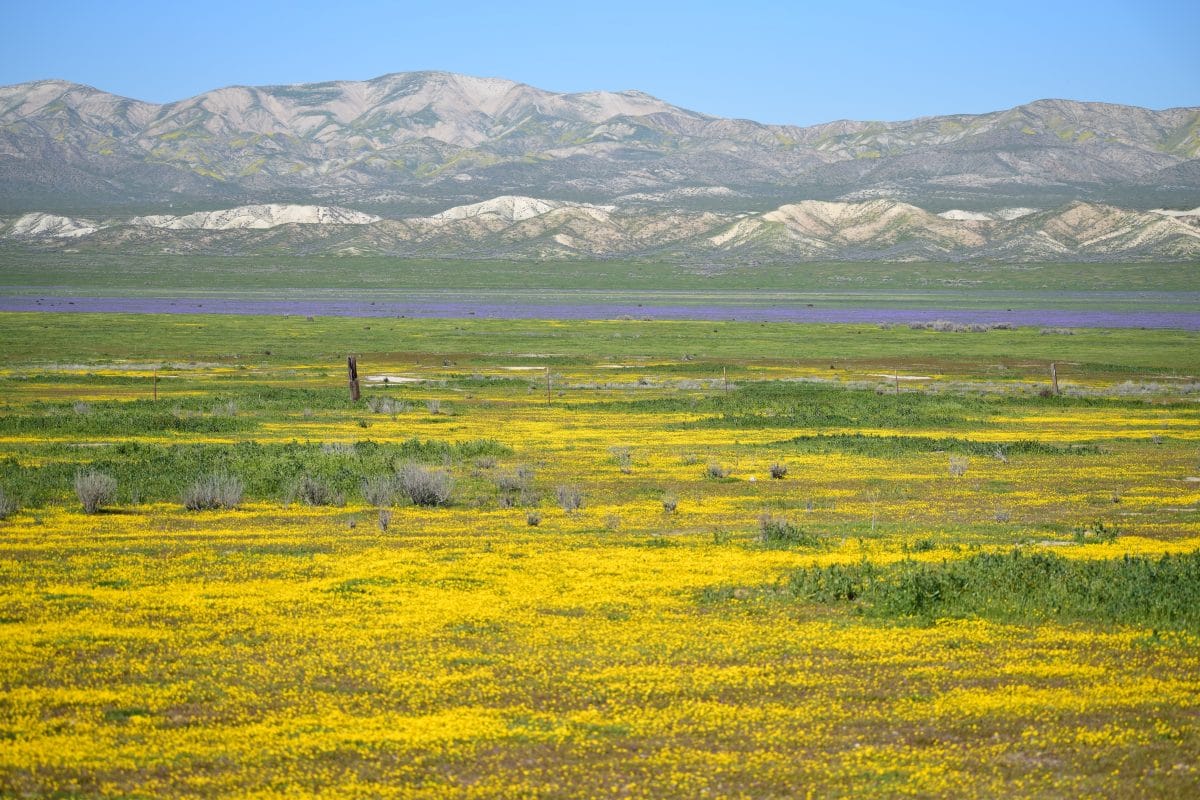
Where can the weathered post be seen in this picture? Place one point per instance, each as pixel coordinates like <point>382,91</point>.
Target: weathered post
<point>156,384</point>
<point>725,377</point>
<point>897,377</point>
<point>1054,376</point>
<point>547,386</point>
<point>352,368</point>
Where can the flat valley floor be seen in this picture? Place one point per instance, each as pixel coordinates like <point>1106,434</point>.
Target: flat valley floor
<point>959,584</point>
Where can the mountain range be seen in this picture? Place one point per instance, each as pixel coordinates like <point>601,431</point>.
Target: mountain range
<point>437,163</point>
<point>414,143</point>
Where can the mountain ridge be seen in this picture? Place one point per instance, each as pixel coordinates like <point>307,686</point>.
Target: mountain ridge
<point>409,142</point>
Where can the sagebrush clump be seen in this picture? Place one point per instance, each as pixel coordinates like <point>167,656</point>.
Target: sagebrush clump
<point>8,506</point>
<point>425,487</point>
<point>380,490</point>
<point>94,489</point>
<point>213,491</point>
<point>776,531</point>
<point>313,492</point>
<point>570,498</point>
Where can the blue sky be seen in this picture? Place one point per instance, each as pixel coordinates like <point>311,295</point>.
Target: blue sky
<point>794,62</point>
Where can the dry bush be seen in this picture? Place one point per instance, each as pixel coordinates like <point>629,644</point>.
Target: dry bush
<point>716,470</point>
<point>779,471</point>
<point>570,498</point>
<point>313,492</point>
<point>622,457</point>
<point>779,532</point>
<point>670,502</point>
<point>379,490</point>
<point>8,506</point>
<point>213,491</point>
<point>425,487</point>
<point>958,466</point>
<point>94,489</point>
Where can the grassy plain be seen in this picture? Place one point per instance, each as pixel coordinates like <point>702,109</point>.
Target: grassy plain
<point>887,642</point>
<point>1132,286</point>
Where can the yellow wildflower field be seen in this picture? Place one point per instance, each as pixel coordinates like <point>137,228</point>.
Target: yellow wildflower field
<point>650,643</point>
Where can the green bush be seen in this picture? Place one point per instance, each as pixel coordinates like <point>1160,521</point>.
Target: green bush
<point>776,531</point>
<point>1017,587</point>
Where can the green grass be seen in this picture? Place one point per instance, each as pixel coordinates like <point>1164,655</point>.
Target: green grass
<point>892,446</point>
<point>1159,593</point>
<point>1015,587</point>
<point>128,274</point>
<point>1000,355</point>
<point>154,472</point>
<point>796,404</point>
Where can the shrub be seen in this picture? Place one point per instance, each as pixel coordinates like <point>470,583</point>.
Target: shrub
<point>779,471</point>
<point>81,408</point>
<point>434,406</point>
<point>670,501</point>
<point>533,518</point>
<point>379,490</point>
<point>213,491</point>
<point>226,409</point>
<point>386,405</point>
<point>622,457</point>
<point>385,519</point>
<point>958,466</point>
<point>516,481</point>
<point>716,470</point>
<point>94,489</point>
<point>778,532</point>
<point>8,506</point>
<point>313,492</point>
<point>425,487</point>
<point>569,498</point>
<point>612,522</point>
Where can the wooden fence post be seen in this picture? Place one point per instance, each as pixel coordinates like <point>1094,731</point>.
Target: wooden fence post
<point>352,368</point>
<point>1054,376</point>
<point>547,386</point>
<point>156,384</point>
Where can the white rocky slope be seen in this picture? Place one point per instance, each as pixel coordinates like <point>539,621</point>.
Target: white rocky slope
<point>257,217</point>
<point>509,208</point>
<point>38,225</point>
<point>519,226</point>
<point>813,228</point>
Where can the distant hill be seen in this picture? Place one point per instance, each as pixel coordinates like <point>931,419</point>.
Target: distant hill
<point>527,227</point>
